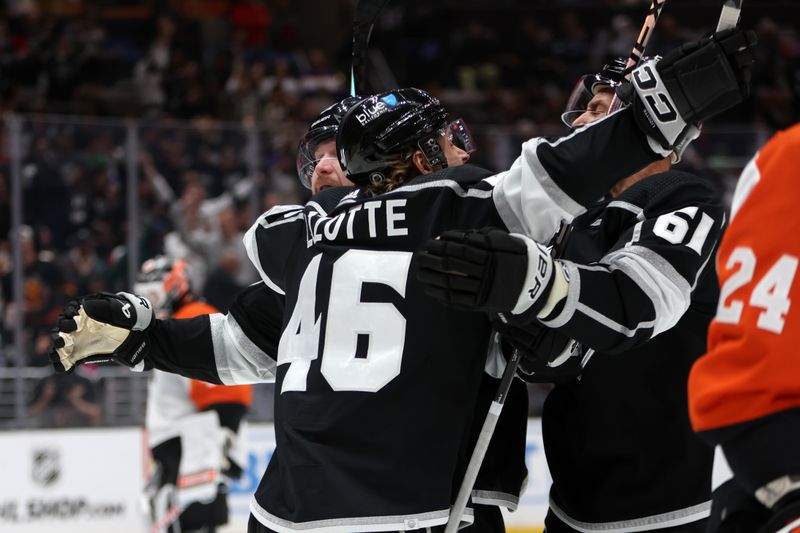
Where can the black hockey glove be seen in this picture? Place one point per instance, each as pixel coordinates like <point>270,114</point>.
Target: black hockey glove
<point>486,270</point>
<point>546,356</point>
<point>691,84</point>
<point>102,327</point>
<point>785,515</point>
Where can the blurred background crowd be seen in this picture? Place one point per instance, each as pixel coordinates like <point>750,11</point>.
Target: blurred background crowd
<point>203,102</point>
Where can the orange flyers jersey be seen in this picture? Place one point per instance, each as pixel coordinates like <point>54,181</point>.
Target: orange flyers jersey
<point>204,394</point>
<point>194,309</point>
<point>752,365</point>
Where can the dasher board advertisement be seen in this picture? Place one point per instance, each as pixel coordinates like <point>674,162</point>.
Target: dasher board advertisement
<point>87,480</point>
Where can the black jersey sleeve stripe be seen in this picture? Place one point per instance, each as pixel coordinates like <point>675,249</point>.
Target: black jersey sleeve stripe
<point>250,346</point>
<point>253,327</point>
<point>702,268</point>
<point>554,181</point>
<point>238,361</point>
<point>586,164</point>
<point>251,246</point>
<point>632,296</point>
<point>528,201</point>
<point>544,175</point>
<point>599,316</point>
<point>636,291</point>
<point>270,257</point>
<point>460,190</point>
<point>627,206</point>
<point>669,292</point>
<point>613,325</point>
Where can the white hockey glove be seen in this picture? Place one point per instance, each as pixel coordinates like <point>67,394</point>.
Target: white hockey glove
<point>488,270</point>
<point>102,327</point>
<point>689,85</point>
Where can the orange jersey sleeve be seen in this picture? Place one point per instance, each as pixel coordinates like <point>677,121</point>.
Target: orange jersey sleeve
<point>194,309</point>
<point>204,394</point>
<point>752,365</point>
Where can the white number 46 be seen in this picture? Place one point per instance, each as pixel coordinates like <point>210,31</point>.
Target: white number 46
<point>771,293</point>
<point>347,320</point>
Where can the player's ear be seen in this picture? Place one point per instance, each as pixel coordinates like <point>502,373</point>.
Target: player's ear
<point>421,162</point>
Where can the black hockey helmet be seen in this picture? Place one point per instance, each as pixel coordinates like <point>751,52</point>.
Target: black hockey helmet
<point>611,76</point>
<point>376,130</point>
<point>322,129</point>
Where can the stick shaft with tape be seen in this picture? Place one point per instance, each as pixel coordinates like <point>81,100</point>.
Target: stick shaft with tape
<point>484,438</point>
<point>656,7</point>
<point>729,18</point>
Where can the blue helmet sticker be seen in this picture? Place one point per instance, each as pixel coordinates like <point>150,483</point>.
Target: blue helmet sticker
<point>390,100</point>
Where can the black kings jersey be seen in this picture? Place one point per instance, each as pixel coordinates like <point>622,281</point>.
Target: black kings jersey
<point>643,290</point>
<point>378,385</point>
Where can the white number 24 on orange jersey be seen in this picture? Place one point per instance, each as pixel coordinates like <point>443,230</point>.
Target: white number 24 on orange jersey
<point>771,293</point>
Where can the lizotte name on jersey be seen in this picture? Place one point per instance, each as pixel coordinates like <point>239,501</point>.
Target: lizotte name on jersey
<point>384,218</point>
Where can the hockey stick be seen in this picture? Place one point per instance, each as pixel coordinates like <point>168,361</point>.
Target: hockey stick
<point>364,18</point>
<point>166,521</point>
<point>728,19</point>
<point>489,423</point>
<point>484,438</point>
<point>641,44</point>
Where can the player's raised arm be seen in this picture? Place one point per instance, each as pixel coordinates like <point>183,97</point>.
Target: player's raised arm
<point>640,288</point>
<point>230,349</point>
<point>668,99</point>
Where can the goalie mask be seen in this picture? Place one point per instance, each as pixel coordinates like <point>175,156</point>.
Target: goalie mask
<point>611,76</point>
<point>165,282</point>
<point>376,131</point>
<point>322,129</point>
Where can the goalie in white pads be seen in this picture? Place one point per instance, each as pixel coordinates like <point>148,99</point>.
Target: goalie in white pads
<point>194,428</point>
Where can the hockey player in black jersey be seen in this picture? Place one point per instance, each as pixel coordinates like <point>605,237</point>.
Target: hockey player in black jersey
<point>318,167</point>
<point>376,384</point>
<point>633,286</point>
<point>503,474</point>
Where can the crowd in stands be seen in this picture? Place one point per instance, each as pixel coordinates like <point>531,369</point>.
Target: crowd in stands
<point>221,91</point>
<point>249,60</point>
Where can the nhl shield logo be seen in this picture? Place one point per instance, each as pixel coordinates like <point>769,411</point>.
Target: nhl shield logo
<point>45,469</point>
